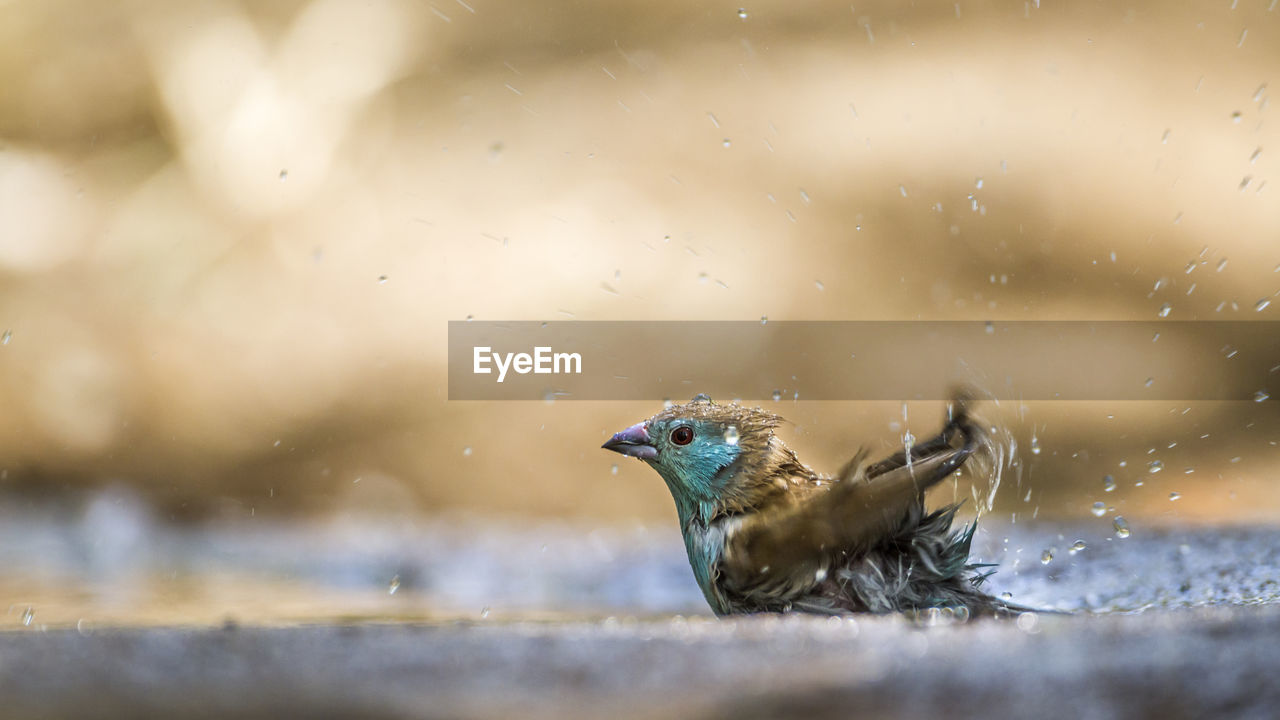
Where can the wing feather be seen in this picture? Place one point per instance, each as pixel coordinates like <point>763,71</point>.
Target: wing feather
<point>788,547</point>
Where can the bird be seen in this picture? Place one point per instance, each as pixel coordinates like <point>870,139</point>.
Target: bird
<point>767,534</point>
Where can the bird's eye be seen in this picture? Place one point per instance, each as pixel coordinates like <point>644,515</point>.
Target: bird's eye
<point>682,435</point>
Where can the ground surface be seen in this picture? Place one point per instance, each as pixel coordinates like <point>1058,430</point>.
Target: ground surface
<point>1165,623</point>
<point>1219,662</point>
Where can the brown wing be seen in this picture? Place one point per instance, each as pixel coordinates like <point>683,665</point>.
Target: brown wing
<point>781,549</point>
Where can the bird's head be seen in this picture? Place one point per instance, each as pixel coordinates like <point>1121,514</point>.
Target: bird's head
<point>704,451</point>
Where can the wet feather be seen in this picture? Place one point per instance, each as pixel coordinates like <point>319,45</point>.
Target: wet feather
<point>766,533</point>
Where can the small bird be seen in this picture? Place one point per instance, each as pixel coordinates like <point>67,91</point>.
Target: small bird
<point>765,533</point>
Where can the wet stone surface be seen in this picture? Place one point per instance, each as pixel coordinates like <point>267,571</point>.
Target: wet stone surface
<point>1164,623</point>
<point>1208,662</point>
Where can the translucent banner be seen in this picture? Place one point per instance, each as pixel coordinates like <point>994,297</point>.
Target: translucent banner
<point>754,361</point>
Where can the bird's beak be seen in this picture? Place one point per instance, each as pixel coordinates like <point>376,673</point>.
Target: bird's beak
<point>633,441</point>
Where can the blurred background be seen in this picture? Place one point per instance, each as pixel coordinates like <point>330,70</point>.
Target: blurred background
<point>232,234</point>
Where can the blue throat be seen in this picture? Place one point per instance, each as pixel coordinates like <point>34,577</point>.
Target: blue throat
<point>696,488</point>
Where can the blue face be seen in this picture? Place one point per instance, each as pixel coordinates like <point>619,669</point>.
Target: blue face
<point>693,451</point>
<point>688,452</point>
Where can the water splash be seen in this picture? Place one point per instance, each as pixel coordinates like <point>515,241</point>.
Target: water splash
<point>1121,526</point>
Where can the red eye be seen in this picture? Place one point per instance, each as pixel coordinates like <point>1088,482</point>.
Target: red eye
<point>682,435</point>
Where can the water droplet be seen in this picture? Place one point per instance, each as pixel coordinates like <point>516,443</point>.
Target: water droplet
<point>484,611</point>
<point>1149,382</point>
<point>777,395</point>
<point>613,469</point>
<point>990,328</point>
<point>1077,546</point>
<point>1108,484</point>
<point>1006,595</point>
<point>902,189</point>
<point>4,338</point>
<point>394,586</point>
<point>742,13</point>
<point>1263,304</point>
<point>1155,466</point>
<point>28,615</point>
<point>1035,444</point>
<point>764,319</point>
<point>1046,557</point>
<point>1027,622</point>
<point>1122,527</point>
<point>1164,139</point>
<point>382,279</point>
<point>1175,495</point>
<point>978,183</point>
<point>466,451</point>
<point>667,404</point>
<point>1165,309</point>
<point>818,284</point>
<point>1099,509</point>
<point>1261,396</point>
<point>1222,264</point>
<point>731,435</point>
<point>1236,116</point>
